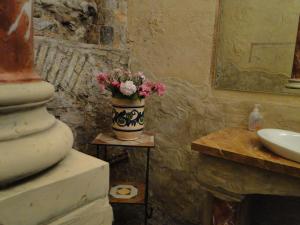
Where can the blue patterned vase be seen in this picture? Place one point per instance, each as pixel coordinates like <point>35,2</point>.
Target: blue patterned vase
<point>128,118</point>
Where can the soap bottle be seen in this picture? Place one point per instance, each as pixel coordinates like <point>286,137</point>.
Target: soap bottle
<point>255,119</point>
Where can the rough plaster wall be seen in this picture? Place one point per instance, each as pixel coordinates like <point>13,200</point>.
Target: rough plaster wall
<point>174,42</point>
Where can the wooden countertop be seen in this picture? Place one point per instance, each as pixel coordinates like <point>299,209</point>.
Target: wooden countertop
<point>242,146</point>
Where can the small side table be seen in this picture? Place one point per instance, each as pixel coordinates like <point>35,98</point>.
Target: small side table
<point>146,141</point>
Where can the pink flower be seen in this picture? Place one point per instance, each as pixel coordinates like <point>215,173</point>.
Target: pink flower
<point>115,84</point>
<point>149,85</point>
<point>160,89</point>
<point>144,94</point>
<point>145,89</point>
<point>102,78</point>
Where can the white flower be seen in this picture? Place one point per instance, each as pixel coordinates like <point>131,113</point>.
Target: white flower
<point>128,88</point>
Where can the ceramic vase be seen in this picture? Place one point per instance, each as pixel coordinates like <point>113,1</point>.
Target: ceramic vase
<point>128,118</point>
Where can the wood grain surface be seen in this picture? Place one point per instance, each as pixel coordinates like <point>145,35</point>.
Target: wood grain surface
<point>146,140</point>
<point>242,146</point>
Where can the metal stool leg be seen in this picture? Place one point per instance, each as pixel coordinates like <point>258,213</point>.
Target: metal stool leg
<point>147,187</point>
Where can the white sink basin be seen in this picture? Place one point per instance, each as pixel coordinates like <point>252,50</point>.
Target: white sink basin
<point>282,142</point>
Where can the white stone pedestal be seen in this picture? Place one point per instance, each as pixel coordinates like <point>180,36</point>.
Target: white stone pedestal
<point>75,191</point>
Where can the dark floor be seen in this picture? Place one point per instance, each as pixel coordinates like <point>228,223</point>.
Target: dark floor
<point>275,210</point>
<point>264,210</point>
<point>134,215</point>
<point>128,215</point>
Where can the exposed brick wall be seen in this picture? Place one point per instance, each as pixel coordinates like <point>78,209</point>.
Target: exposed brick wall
<point>71,68</point>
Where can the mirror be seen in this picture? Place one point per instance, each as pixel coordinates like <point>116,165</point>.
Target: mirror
<point>255,45</point>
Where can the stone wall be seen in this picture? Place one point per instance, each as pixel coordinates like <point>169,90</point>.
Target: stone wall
<point>172,43</point>
<point>101,22</point>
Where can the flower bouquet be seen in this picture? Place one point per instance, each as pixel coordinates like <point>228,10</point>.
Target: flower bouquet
<point>129,91</point>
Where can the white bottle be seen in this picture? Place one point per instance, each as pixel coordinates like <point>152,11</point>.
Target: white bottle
<point>255,119</point>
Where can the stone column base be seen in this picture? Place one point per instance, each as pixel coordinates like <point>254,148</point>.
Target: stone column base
<point>98,212</point>
<point>76,187</point>
<point>31,139</point>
